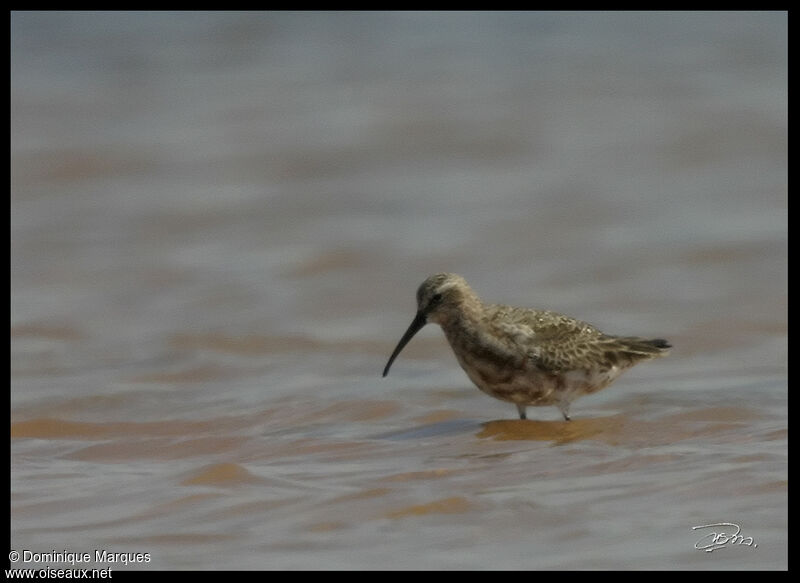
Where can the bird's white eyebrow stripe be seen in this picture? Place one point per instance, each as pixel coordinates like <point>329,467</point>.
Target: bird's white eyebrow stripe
<point>447,285</point>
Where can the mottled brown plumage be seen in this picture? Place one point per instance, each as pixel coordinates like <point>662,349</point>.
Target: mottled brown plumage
<point>524,356</point>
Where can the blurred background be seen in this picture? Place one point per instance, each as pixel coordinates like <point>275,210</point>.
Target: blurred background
<point>218,225</point>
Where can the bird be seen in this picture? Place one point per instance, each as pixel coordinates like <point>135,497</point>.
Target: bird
<point>524,356</point>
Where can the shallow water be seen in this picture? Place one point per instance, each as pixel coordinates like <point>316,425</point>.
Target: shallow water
<point>219,221</point>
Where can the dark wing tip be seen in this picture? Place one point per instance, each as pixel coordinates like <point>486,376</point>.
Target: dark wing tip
<point>660,343</point>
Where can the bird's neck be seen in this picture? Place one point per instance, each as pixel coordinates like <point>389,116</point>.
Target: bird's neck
<point>463,320</point>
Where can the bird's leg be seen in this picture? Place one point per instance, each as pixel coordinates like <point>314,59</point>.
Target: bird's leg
<point>521,409</point>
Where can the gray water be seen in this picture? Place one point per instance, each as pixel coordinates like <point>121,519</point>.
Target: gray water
<point>218,224</point>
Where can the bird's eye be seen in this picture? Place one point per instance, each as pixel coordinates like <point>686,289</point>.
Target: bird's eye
<point>436,298</point>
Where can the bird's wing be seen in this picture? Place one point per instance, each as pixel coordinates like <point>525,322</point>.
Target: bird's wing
<point>565,347</point>
<point>552,341</point>
<point>556,343</point>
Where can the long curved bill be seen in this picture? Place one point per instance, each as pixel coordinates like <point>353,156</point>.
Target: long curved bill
<point>418,322</point>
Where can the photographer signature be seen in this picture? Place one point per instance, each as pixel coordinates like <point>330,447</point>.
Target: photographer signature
<point>722,536</point>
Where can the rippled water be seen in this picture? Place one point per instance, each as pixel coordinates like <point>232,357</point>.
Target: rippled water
<point>219,221</point>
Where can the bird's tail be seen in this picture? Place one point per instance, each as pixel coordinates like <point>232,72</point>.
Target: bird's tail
<point>644,348</point>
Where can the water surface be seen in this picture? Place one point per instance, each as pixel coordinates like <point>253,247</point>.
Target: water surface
<point>219,221</point>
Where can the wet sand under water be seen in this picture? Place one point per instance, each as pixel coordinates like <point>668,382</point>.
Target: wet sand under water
<point>299,484</point>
